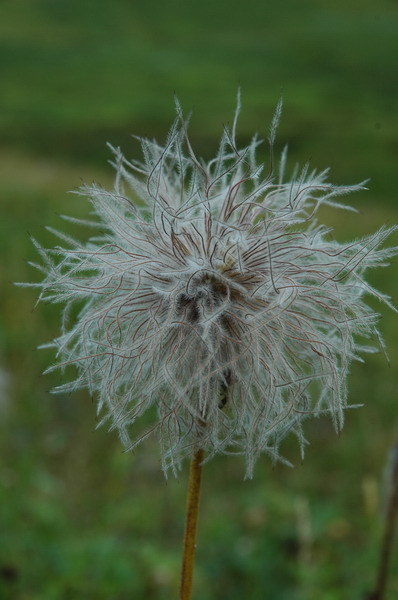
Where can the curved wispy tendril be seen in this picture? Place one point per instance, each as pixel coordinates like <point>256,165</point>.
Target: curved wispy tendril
<point>212,294</point>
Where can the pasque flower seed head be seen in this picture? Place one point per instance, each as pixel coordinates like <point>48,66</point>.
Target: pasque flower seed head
<point>213,295</point>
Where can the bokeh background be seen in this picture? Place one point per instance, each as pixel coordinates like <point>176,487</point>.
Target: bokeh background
<point>80,518</point>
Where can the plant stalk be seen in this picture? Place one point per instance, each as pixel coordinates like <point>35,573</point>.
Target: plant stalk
<point>191,522</point>
<point>389,532</point>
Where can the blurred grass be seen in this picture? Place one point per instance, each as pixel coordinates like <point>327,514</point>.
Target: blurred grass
<point>78,518</point>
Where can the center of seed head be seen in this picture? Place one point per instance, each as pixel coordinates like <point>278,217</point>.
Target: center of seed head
<point>187,307</point>
<point>208,292</point>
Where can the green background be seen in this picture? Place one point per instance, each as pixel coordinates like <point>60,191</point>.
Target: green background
<point>80,518</point>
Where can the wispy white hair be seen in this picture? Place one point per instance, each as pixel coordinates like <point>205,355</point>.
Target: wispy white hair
<point>213,294</point>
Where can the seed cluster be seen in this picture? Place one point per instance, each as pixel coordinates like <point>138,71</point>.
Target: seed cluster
<point>214,297</point>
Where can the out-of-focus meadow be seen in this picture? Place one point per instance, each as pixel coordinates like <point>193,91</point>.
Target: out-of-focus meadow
<point>80,518</point>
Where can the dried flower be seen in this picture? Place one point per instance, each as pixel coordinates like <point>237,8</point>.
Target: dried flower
<point>213,295</point>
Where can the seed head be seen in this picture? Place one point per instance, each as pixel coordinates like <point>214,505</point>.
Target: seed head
<point>212,295</point>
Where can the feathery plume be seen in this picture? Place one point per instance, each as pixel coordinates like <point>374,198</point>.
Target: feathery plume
<point>211,293</point>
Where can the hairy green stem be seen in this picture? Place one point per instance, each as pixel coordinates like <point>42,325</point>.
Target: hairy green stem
<point>389,532</point>
<point>191,522</point>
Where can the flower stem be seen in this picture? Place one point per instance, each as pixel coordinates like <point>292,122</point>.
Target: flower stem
<point>191,521</point>
<point>389,532</point>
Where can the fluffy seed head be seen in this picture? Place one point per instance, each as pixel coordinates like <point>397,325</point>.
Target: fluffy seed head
<point>211,294</point>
